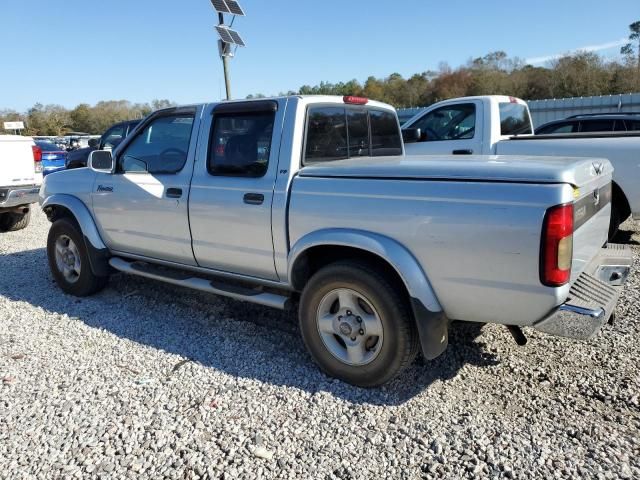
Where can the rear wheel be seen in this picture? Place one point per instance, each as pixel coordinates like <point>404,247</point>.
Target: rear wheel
<point>69,260</point>
<point>11,222</point>
<point>356,324</point>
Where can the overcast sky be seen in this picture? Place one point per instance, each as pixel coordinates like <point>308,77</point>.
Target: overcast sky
<point>84,51</point>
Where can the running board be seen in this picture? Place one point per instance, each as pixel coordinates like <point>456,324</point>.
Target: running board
<point>188,280</point>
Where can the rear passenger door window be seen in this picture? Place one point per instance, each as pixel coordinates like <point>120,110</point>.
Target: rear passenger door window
<point>596,126</point>
<point>161,147</point>
<point>240,144</point>
<point>619,126</point>
<point>633,125</point>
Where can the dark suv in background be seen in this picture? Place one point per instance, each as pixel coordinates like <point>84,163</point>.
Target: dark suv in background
<point>593,122</point>
<point>109,140</point>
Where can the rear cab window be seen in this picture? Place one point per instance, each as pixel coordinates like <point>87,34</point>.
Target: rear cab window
<point>514,119</point>
<point>335,132</point>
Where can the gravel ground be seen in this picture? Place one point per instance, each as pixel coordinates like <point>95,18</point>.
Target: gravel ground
<point>149,381</point>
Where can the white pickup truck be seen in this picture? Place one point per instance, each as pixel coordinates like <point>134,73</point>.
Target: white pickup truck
<point>20,180</point>
<point>500,125</point>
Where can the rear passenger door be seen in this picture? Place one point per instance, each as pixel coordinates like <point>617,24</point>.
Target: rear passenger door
<point>232,188</point>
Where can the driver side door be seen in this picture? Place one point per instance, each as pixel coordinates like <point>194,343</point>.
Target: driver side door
<point>141,208</point>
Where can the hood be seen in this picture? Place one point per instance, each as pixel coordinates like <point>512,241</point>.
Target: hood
<point>495,168</point>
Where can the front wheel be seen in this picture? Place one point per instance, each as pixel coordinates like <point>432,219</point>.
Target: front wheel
<point>356,324</point>
<point>69,260</point>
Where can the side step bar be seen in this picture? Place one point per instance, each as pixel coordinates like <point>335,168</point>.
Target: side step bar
<point>188,280</point>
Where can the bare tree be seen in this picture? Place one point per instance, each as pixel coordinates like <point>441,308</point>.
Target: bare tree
<point>629,49</point>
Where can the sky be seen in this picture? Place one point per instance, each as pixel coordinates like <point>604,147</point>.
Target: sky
<point>85,51</point>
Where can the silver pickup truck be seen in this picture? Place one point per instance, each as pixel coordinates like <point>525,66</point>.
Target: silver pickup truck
<point>311,201</point>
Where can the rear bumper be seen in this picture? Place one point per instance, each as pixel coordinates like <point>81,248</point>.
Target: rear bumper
<point>592,297</point>
<point>16,196</point>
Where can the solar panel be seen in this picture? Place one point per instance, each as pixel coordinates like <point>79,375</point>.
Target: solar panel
<point>237,39</point>
<point>220,6</point>
<point>234,7</point>
<point>225,36</point>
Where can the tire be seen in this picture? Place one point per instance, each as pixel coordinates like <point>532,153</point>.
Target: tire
<point>328,330</point>
<point>77,278</point>
<point>12,222</point>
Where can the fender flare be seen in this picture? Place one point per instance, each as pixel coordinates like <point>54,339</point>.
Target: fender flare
<point>96,248</point>
<point>430,318</point>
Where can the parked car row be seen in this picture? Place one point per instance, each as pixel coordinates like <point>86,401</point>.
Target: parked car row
<point>312,201</point>
<point>109,140</point>
<point>20,179</point>
<point>53,157</point>
<point>593,122</point>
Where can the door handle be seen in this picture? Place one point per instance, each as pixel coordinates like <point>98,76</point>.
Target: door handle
<point>253,198</point>
<point>174,192</point>
<point>463,152</point>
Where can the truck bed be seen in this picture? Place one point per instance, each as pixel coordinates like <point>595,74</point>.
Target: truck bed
<point>440,201</point>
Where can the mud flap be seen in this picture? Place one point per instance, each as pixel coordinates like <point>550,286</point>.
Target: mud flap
<point>433,328</point>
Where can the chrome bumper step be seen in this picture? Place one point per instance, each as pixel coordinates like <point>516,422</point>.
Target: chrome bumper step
<point>593,296</point>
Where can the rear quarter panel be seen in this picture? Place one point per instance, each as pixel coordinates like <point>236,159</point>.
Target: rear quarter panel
<point>478,243</point>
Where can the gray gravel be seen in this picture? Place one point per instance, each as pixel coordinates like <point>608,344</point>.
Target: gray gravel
<point>149,381</point>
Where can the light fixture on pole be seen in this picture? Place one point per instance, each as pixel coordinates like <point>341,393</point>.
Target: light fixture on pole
<point>229,40</point>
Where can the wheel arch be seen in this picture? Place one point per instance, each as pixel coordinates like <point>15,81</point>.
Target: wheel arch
<point>67,206</point>
<point>318,248</point>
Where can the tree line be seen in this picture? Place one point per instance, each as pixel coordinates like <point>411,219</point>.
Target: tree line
<point>573,75</point>
<point>57,120</point>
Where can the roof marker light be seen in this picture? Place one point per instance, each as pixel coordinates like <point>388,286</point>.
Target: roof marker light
<point>355,100</point>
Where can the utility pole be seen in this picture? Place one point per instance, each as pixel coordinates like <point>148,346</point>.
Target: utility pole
<point>229,39</point>
<point>225,50</point>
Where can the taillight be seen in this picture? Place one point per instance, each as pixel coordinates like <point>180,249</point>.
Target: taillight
<point>557,246</point>
<point>37,158</point>
<point>355,100</point>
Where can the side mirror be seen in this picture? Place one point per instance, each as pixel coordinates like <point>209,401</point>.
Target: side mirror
<point>101,161</point>
<point>412,135</point>
<point>94,142</point>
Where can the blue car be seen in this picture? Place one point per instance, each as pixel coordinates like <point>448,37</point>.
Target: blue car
<point>53,159</point>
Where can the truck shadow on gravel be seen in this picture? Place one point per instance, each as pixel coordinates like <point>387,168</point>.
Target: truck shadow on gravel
<point>205,329</point>
<point>625,237</point>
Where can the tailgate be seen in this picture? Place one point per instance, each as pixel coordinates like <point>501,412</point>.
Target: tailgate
<point>592,212</point>
<point>16,161</point>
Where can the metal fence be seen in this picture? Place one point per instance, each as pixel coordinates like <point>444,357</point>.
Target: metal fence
<point>543,111</point>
